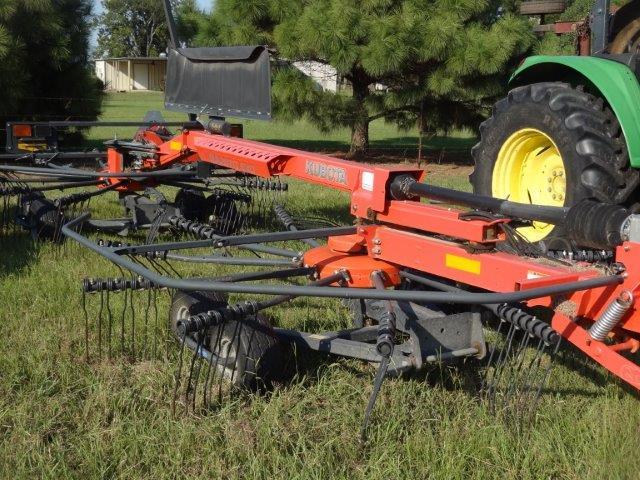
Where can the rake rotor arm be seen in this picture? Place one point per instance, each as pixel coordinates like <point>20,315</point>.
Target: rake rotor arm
<point>388,194</point>
<point>336,292</point>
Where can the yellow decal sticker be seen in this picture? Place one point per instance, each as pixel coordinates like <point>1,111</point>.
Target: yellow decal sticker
<point>462,263</point>
<point>175,145</point>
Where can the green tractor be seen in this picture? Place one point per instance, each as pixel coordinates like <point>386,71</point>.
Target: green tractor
<point>569,128</point>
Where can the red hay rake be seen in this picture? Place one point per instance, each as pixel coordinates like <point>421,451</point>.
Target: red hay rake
<point>415,275</point>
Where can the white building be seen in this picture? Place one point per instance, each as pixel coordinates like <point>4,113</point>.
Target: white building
<point>325,76</point>
<point>125,74</point>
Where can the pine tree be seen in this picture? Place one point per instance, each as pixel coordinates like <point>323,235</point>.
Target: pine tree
<point>44,66</point>
<point>442,62</point>
<point>188,21</point>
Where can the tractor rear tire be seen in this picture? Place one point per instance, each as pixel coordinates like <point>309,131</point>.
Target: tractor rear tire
<point>552,144</point>
<point>628,40</point>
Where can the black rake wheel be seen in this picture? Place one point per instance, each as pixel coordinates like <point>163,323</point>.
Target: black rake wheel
<point>248,354</point>
<point>44,218</point>
<point>192,204</point>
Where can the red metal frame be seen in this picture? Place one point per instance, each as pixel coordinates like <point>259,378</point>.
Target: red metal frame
<point>401,234</point>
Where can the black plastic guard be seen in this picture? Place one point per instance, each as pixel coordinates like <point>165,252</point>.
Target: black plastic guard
<point>222,82</point>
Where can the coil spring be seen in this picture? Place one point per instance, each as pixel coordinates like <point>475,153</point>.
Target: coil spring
<point>386,334</point>
<point>221,194</point>
<point>284,217</point>
<point>259,184</point>
<point>204,320</point>
<point>190,226</point>
<point>151,255</point>
<point>529,323</point>
<point>589,256</point>
<point>95,285</point>
<point>111,243</point>
<point>611,316</point>
<point>70,199</point>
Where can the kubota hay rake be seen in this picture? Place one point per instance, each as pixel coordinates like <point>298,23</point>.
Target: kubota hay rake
<point>416,275</point>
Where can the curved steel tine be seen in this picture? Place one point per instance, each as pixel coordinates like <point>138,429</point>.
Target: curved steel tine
<point>133,320</point>
<point>86,326</point>
<point>100,325</point>
<point>145,352</point>
<point>178,376</point>
<point>109,325</point>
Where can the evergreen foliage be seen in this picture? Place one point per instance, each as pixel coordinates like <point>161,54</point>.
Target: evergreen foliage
<point>44,66</point>
<point>436,63</point>
<point>188,21</point>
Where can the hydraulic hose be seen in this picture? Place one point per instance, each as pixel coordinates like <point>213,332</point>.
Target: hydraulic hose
<point>405,187</point>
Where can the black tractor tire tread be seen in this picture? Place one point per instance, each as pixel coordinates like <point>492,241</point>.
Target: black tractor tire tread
<point>600,145</point>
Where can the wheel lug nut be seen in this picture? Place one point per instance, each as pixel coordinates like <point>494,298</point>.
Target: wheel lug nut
<point>549,190</point>
<point>554,197</point>
<point>549,179</point>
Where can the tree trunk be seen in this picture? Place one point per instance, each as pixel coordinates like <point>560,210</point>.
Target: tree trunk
<point>359,139</point>
<point>360,125</point>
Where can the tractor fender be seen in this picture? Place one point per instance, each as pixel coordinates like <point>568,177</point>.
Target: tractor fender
<point>614,82</point>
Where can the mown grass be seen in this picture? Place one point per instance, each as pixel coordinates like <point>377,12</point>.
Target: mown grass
<point>61,417</point>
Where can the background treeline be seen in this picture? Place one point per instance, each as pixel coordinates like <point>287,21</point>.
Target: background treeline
<point>431,64</point>
<point>45,72</point>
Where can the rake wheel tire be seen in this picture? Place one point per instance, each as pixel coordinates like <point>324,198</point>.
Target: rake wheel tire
<point>586,132</point>
<point>252,357</point>
<point>191,204</point>
<point>44,218</point>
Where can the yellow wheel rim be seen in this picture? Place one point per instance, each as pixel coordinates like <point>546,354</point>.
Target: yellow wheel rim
<point>529,169</point>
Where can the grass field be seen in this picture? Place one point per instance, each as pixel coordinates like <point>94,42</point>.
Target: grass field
<point>384,137</point>
<point>61,417</point>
